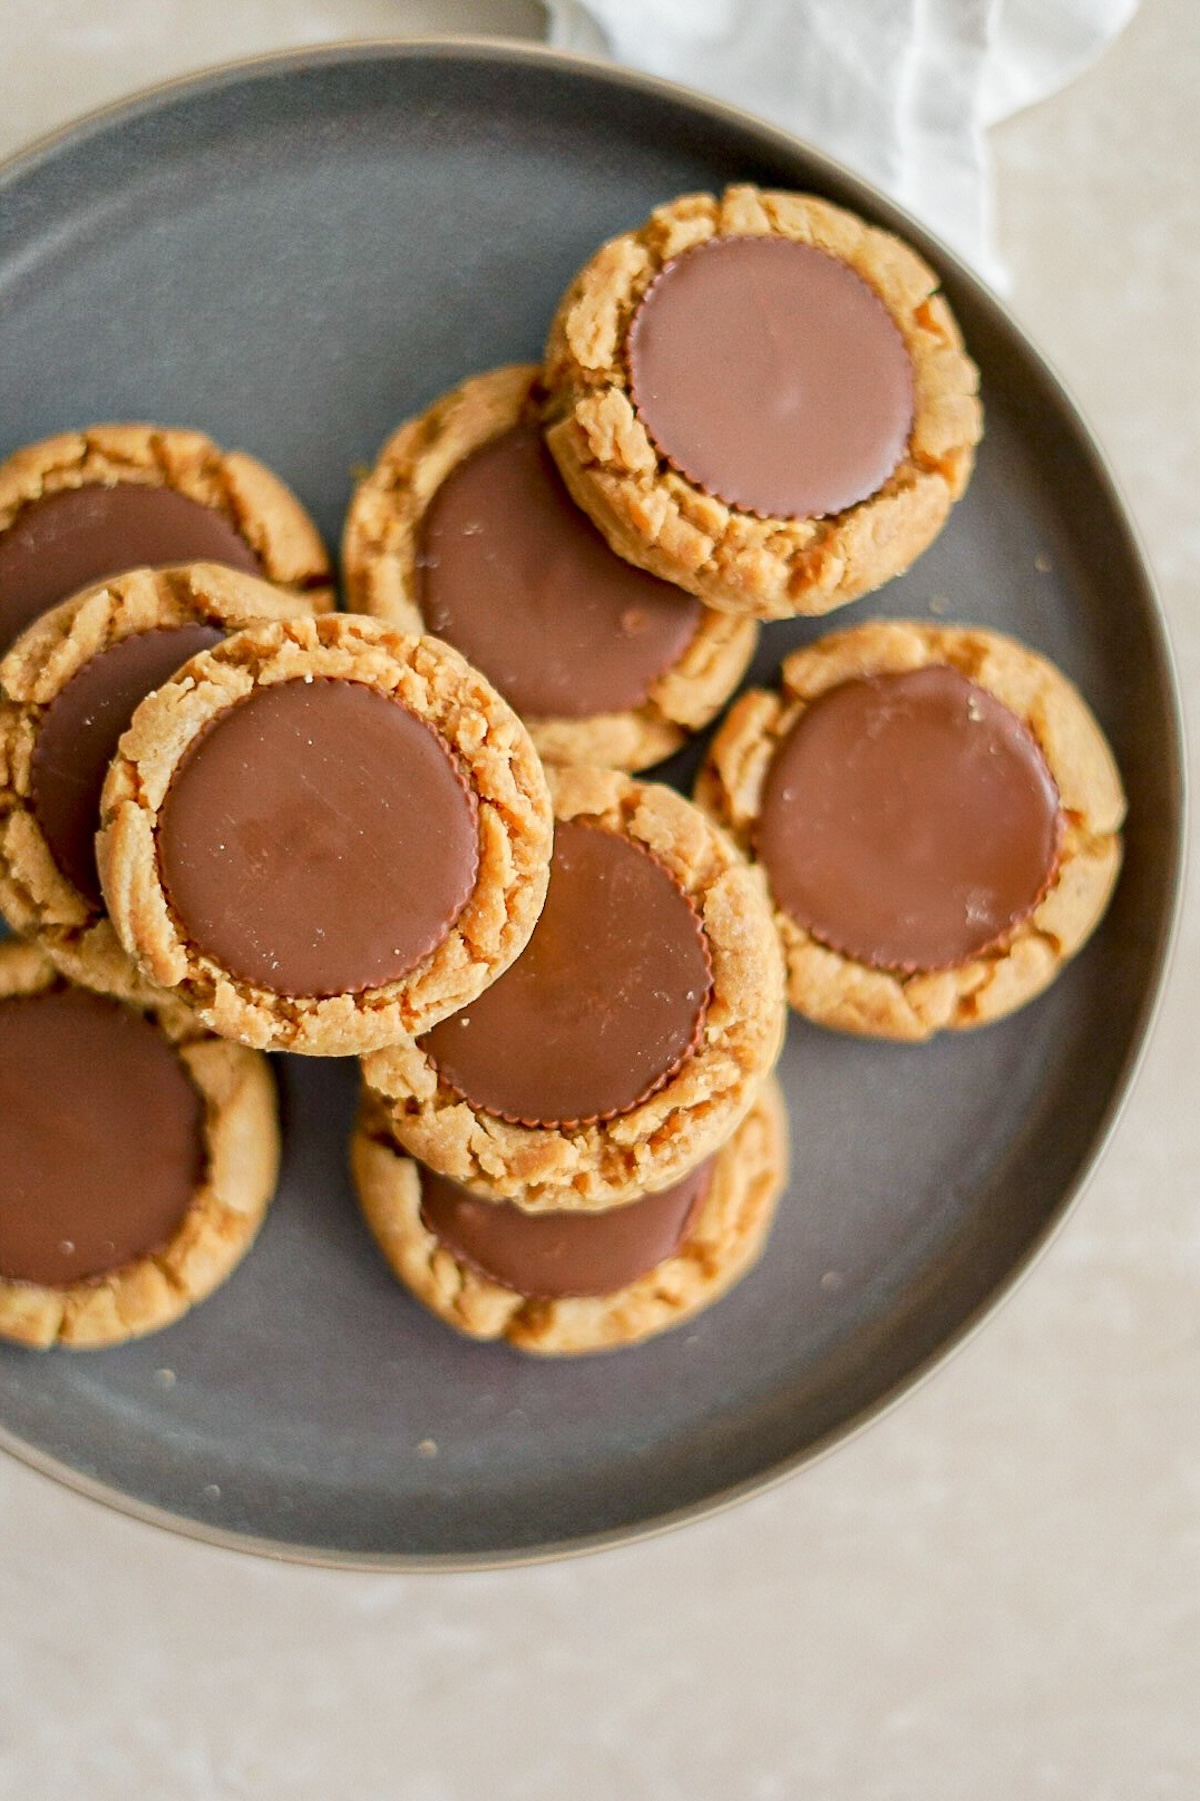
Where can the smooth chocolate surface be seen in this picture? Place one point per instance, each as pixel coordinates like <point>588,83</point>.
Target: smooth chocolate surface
<point>518,579</point>
<point>78,736</point>
<point>68,540</point>
<point>772,376</point>
<point>318,839</point>
<point>603,1005</point>
<point>552,1256</point>
<point>101,1137</point>
<point>909,820</point>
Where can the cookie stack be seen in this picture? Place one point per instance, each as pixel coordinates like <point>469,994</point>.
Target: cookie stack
<point>139,1149</point>
<point>415,832</point>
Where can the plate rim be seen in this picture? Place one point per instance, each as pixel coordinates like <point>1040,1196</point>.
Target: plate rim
<point>155,97</point>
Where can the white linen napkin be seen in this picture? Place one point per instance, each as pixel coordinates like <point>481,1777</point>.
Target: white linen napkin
<point>899,90</point>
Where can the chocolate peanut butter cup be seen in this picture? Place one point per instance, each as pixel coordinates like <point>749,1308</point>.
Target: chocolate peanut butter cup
<point>560,1282</point>
<point>627,1040</point>
<point>120,1201</point>
<point>85,1186</point>
<point>318,838</point>
<point>772,376</point>
<point>518,579</point>
<point>761,397</point>
<point>80,536</point>
<point>78,736</point>
<point>72,683</point>
<point>327,835</point>
<point>559,1256</point>
<point>938,817</point>
<point>464,529</point>
<point>78,509</point>
<point>603,1006</point>
<point>909,820</point>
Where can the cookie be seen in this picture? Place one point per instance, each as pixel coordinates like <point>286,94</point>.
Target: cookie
<point>559,1283</point>
<point>324,835</point>
<point>138,1156</point>
<point>464,529</point>
<point>938,817</point>
<point>71,684</point>
<point>762,398</point>
<point>86,505</point>
<point>630,1038</point>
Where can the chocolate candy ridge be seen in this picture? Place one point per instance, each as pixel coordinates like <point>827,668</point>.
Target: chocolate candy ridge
<point>70,539</point>
<point>78,734</point>
<point>772,376</point>
<point>101,1137</point>
<point>909,820</point>
<point>519,580</point>
<point>603,1006</point>
<point>556,1256</point>
<point>318,838</point>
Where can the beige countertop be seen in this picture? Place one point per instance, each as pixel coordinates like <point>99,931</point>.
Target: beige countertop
<point>995,1591</point>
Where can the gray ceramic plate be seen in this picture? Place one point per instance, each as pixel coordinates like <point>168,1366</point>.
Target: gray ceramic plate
<point>294,255</point>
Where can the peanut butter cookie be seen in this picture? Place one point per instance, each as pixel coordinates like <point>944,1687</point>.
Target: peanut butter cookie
<point>83,506</point>
<point>324,835</point>
<point>628,1040</point>
<point>762,398</point>
<point>138,1155</point>
<point>71,684</point>
<point>937,814</point>
<point>464,529</point>
<point>561,1283</point>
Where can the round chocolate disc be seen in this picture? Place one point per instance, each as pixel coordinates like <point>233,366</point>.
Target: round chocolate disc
<point>772,376</point>
<point>909,820</point>
<point>518,579</point>
<point>68,540</point>
<point>551,1256</point>
<point>101,1137</point>
<point>78,736</point>
<point>603,1005</point>
<point>318,839</point>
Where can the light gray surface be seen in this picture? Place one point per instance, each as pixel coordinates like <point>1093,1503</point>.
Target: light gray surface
<point>993,1592</point>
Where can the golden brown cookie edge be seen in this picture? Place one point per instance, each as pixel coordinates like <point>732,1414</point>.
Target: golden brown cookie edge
<point>835,990</point>
<point>749,1174</point>
<point>651,514</point>
<point>494,750</point>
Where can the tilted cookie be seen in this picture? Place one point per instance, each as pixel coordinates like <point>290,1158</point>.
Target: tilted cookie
<point>762,398</point>
<point>937,814</point>
<point>85,505</point>
<point>323,835</point>
<point>70,686</point>
<point>464,529</point>
<point>631,1036</point>
<point>565,1282</point>
<point>138,1155</point>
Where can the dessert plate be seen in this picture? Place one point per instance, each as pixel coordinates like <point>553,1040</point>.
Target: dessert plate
<point>294,254</point>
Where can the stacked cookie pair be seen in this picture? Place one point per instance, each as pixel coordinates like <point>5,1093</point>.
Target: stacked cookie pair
<point>139,1150</point>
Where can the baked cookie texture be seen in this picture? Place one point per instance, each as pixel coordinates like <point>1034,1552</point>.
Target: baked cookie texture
<point>36,897</point>
<point>379,563</point>
<point>734,560</point>
<point>653,1144</point>
<point>262,509</point>
<point>493,752</point>
<point>833,989</point>
<point>242,1143</point>
<point>749,1173</point>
